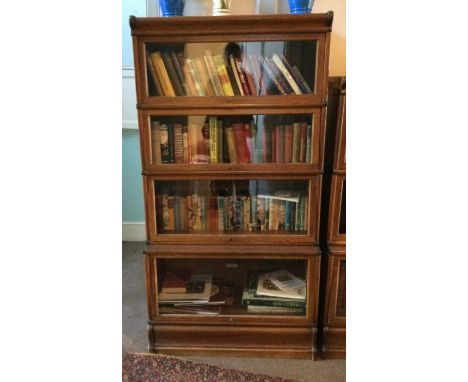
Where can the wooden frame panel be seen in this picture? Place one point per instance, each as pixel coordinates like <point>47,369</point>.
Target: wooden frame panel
<point>340,141</point>
<point>310,237</point>
<point>333,235</point>
<point>331,317</point>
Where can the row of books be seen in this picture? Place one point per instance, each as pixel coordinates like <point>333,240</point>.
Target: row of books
<point>200,213</point>
<point>274,292</point>
<point>214,75</point>
<point>238,142</point>
<point>185,293</point>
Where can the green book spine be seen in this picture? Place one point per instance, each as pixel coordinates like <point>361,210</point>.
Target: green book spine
<point>309,144</point>
<point>296,142</point>
<point>286,304</point>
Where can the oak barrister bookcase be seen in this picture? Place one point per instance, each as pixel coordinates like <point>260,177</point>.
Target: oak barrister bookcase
<point>232,172</point>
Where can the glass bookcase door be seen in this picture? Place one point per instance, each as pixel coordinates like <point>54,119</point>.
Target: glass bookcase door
<point>255,207</point>
<point>341,290</point>
<point>227,139</point>
<point>231,287</point>
<point>231,68</point>
<point>337,216</point>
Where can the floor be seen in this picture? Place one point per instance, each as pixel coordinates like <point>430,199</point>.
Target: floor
<point>134,337</point>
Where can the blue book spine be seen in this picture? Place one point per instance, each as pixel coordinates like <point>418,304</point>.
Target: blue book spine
<point>287,220</point>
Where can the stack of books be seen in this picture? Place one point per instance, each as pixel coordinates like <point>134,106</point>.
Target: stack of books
<point>278,212</point>
<point>238,142</point>
<point>274,293</point>
<point>214,75</point>
<point>185,293</point>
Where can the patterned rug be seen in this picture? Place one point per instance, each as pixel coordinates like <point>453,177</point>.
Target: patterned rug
<point>138,367</point>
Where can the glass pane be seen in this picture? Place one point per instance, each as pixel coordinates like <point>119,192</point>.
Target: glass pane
<point>227,139</point>
<point>341,299</point>
<point>230,206</point>
<point>342,227</point>
<point>231,286</point>
<point>231,68</point>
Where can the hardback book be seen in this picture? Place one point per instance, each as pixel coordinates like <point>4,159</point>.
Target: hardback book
<point>274,220</point>
<point>185,144</point>
<point>278,143</point>
<point>191,90</point>
<point>285,280</point>
<point>223,75</point>
<point>232,79</point>
<point>309,145</point>
<point>288,143</point>
<point>279,76</point>
<point>199,142</point>
<point>258,75</point>
<point>259,309</point>
<point>155,143</point>
<point>200,67</point>
<point>219,123</point>
<point>171,217</point>
<point>198,289</point>
<point>189,209</point>
<point>303,143</point>
<point>175,281</point>
<point>241,144</point>
<point>154,76</point>
<point>165,212</point>
<point>170,134</point>
<point>212,65</point>
<point>211,76</point>
<point>178,143</point>
<point>182,219</point>
<point>235,72</point>
<point>197,82</point>
<point>198,310</point>
<point>249,139</point>
<point>273,85</point>
<point>179,71</point>
<point>177,86</point>
<point>249,74</point>
<point>249,297</point>
<point>286,74</point>
<point>175,211</point>
<point>266,288</point>
<point>164,141</point>
<point>231,144</point>
<point>213,139</point>
<point>242,76</point>
<point>301,80</point>
<point>296,142</point>
<point>162,74</point>
<point>281,143</point>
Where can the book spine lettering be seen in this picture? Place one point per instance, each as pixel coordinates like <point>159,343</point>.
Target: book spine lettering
<point>213,140</point>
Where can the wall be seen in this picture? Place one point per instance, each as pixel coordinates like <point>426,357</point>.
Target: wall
<point>132,193</point>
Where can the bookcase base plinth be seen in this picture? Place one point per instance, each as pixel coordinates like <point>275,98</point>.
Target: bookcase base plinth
<point>334,343</point>
<point>268,342</point>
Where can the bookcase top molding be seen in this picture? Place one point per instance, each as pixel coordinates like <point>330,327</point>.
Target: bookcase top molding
<point>209,25</point>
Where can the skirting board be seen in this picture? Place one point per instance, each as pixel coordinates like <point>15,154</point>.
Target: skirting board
<point>133,231</point>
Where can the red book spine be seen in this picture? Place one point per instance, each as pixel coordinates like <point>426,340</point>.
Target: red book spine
<point>242,77</point>
<point>241,145</point>
<point>288,143</point>
<point>248,140</point>
<point>278,144</point>
<point>302,157</point>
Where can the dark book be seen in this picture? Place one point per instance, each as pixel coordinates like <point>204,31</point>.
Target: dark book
<point>170,131</point>
<point>273,144</point>
<point>179,72</point>
<point>302,149</point>
<point>281,144</point>
<point>300,80</point>
<point>280,77</point>
<point>178,143</point>
<point>154,76</point>
<point>172,74</point>
<point>273,85</point>
<point>259,75</point>
<point>232,79</point>
<point>164,139</point>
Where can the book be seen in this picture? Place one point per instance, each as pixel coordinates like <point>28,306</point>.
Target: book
<point>170,133</point>
<point>286,74</point>
<point>185,145</point>
<point>249,298</point>
<point>309,146</point>
<point>213,140</point>
<point>273,85</point>
<point>162,74</point>
<point>266,288</point>
<point>177,86</point>
<point>240,142</point>
<point>232,79</point>
<point>236,75</point>
<point>213,73</point>
<point>220,141</point>
<point>249,139</point>
<point>178,143</point>
<point>303,143</point>
<point>231,145</point>
<point>155,143</point>
<point>197,82</point>
<point>259,75</point>
<point>179,72</point>
<point>287,196</point>
<point>301,80</point>
<point>279,76</point>
<point>223,75</point>
<point>259,309</point>
<point>280,143</point>
<point>288,143</point>
<point>199,310</point>
<point>175,281</point>
<point>296,142</point>
<point>285,280</point>
<point>191,90</point>
<point>164,142</point>
<point>242,76</point>
<point>200,67</point>
<point>154,76</point>
<point>199,141</point>
<point>249,74</point>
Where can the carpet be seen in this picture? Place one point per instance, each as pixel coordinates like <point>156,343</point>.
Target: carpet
<point>139,367</point>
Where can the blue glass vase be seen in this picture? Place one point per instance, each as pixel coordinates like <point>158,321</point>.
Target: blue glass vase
<point>172,7</point>
<point>300,6</point>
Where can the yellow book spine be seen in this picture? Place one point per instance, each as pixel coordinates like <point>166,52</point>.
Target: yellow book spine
<point>223,75</point>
